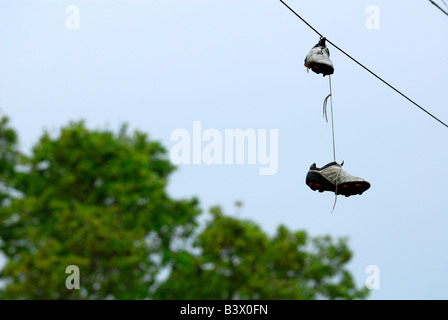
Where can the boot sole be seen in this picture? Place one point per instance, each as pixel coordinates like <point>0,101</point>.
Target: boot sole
<point>320,68</point>
<point>317,182</point>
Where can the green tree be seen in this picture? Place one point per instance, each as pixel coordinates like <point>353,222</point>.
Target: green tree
<point>93,199</point>
<point>9,157</point>
<point>97,200</point>
<point>237,260</point>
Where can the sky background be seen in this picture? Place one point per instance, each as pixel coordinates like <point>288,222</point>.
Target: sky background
<point>238,64</point>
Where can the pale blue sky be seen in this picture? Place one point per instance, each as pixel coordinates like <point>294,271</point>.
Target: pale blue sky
<point>238,64</point>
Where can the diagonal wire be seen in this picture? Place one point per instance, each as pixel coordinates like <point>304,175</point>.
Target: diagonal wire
<point>439,6</point>
<point>445,4</point>
<point>365,68</point>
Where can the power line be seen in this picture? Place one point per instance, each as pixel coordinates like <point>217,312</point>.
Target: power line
<point>445,4</point>
<point>367,69</point>
<point>439,6</point>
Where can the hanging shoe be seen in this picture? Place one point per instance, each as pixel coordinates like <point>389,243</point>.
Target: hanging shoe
<point>332,178</point>
<point>318,59</point>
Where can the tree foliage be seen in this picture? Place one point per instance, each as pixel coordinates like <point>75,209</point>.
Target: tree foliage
<point>97,200</point>
<point>9,157</point>
<point>238,260</point>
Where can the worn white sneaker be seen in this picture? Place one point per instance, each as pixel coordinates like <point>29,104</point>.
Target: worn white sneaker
<point>332,178</point>
<point>318,59</point>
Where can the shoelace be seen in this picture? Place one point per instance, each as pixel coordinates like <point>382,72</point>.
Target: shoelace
<point>330,96</point>
<point>336,188</point>
<point>325,107</point>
